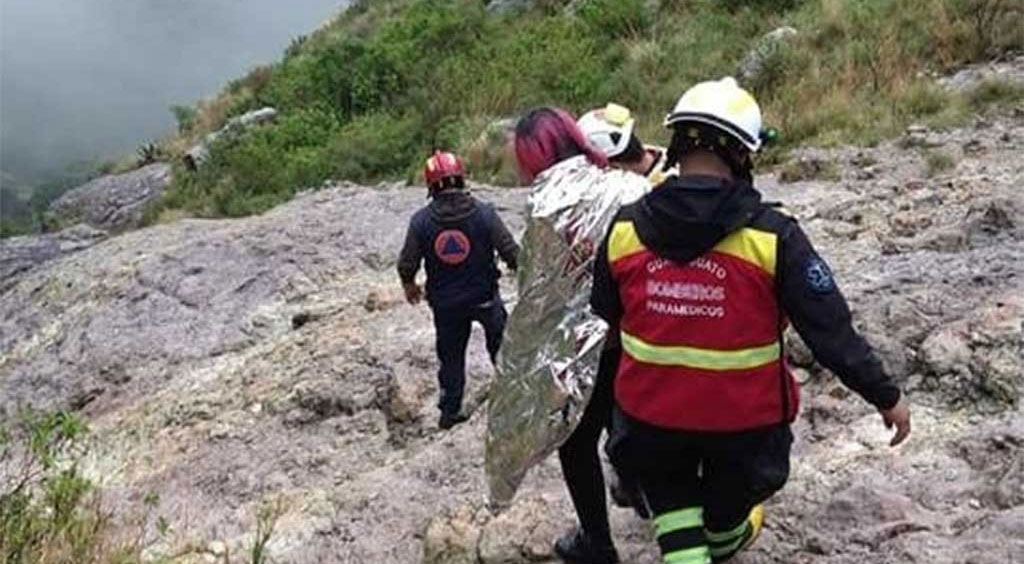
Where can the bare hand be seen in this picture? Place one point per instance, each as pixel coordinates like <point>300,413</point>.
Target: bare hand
<point>898,416</point>
<point>413,293</point>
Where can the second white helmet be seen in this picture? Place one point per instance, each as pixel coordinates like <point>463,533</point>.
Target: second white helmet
<point>608,129</point>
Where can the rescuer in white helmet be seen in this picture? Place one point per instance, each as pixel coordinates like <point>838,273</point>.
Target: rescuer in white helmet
<point>611,130</point>
<point>700,278</point>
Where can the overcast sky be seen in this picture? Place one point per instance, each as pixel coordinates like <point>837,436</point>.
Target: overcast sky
<point>89,79</point>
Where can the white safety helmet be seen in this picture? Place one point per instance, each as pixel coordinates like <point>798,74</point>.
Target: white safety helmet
<point>608,129</point>
<point>724,105</point>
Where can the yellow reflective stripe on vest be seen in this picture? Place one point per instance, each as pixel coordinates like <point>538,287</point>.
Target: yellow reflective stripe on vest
<point>623,241</point>
<point>752,245</point>
<point>704,359</point>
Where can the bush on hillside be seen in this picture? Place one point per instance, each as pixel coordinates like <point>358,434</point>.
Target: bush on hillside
<point>616,18</point>
<point>992,92</point>
<point>997,26</point>
<point>262,168</point>
<point>366,109</point>
<point>391,80</point>
<point>374,143</point>
<point>48,511</point>
<point>185,116</point>
<point>51,513</point>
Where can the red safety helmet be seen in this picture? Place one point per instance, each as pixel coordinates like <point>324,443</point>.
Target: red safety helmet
<point>442,165</point>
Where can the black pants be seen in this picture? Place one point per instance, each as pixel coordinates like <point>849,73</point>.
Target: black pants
<point>581,465</point>
<point>452,328</point>
<point>718,476</point>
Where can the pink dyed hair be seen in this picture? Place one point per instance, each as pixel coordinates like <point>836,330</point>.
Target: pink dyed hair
<point>547,136</point>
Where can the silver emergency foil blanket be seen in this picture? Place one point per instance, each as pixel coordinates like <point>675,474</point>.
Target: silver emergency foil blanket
<point>548,361</point>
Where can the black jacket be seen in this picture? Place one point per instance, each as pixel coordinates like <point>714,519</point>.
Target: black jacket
<point>687,216</point>
<point>476,274</point>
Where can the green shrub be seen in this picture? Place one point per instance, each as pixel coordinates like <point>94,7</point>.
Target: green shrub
<point>376,146</point>
<point>268,164</point>
<point>937,162</point>
<point>547,61</point>
<point>992,27</point>
<point>349,76</point>
<point>854,72</point>
<point>295,47</point>
<point>923,99</point>
<point>991,92</point>
<point>48,513</point>
<point>369,95</point>
<point>185,116</point>
<point>51,513</point>
<point>266,521</point>
<point>616,18</point>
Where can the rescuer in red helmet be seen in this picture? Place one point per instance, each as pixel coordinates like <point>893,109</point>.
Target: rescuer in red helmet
<point>456,236</point>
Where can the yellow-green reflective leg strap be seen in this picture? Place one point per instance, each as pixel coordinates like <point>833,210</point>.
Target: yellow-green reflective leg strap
<point>681,536</point>
<point>675,520</point>
<point>728,535</point>
<point>696,555</point>
<point>728,542</point>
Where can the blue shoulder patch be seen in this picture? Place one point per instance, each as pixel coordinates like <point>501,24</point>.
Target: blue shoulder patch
<point>818,276</point>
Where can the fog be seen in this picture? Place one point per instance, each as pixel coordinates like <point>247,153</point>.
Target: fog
<point>92,79</point>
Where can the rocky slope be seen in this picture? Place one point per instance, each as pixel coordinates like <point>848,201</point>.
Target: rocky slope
<point>225,364</point>
<point>21,254</point>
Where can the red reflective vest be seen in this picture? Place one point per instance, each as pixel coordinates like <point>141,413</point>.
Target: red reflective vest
<point>701,341</point>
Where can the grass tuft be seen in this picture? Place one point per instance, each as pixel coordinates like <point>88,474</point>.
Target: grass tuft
<point>937,162</point>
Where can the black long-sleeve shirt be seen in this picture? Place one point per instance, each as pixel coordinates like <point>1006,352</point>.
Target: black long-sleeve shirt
<point>669,223</point>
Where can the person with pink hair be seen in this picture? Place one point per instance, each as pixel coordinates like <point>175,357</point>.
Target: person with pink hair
<point>553,388</point>
<point>545,137</point>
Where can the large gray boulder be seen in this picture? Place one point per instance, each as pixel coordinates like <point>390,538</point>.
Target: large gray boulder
<point>113,203</point>
<point>756,60</point>
<point>196,155</point>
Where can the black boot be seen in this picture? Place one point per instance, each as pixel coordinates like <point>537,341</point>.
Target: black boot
<point>448,421</point>
<point>577,548</point>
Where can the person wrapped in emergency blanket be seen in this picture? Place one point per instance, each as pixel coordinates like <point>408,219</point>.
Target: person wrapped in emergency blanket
<point>549,358</point>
